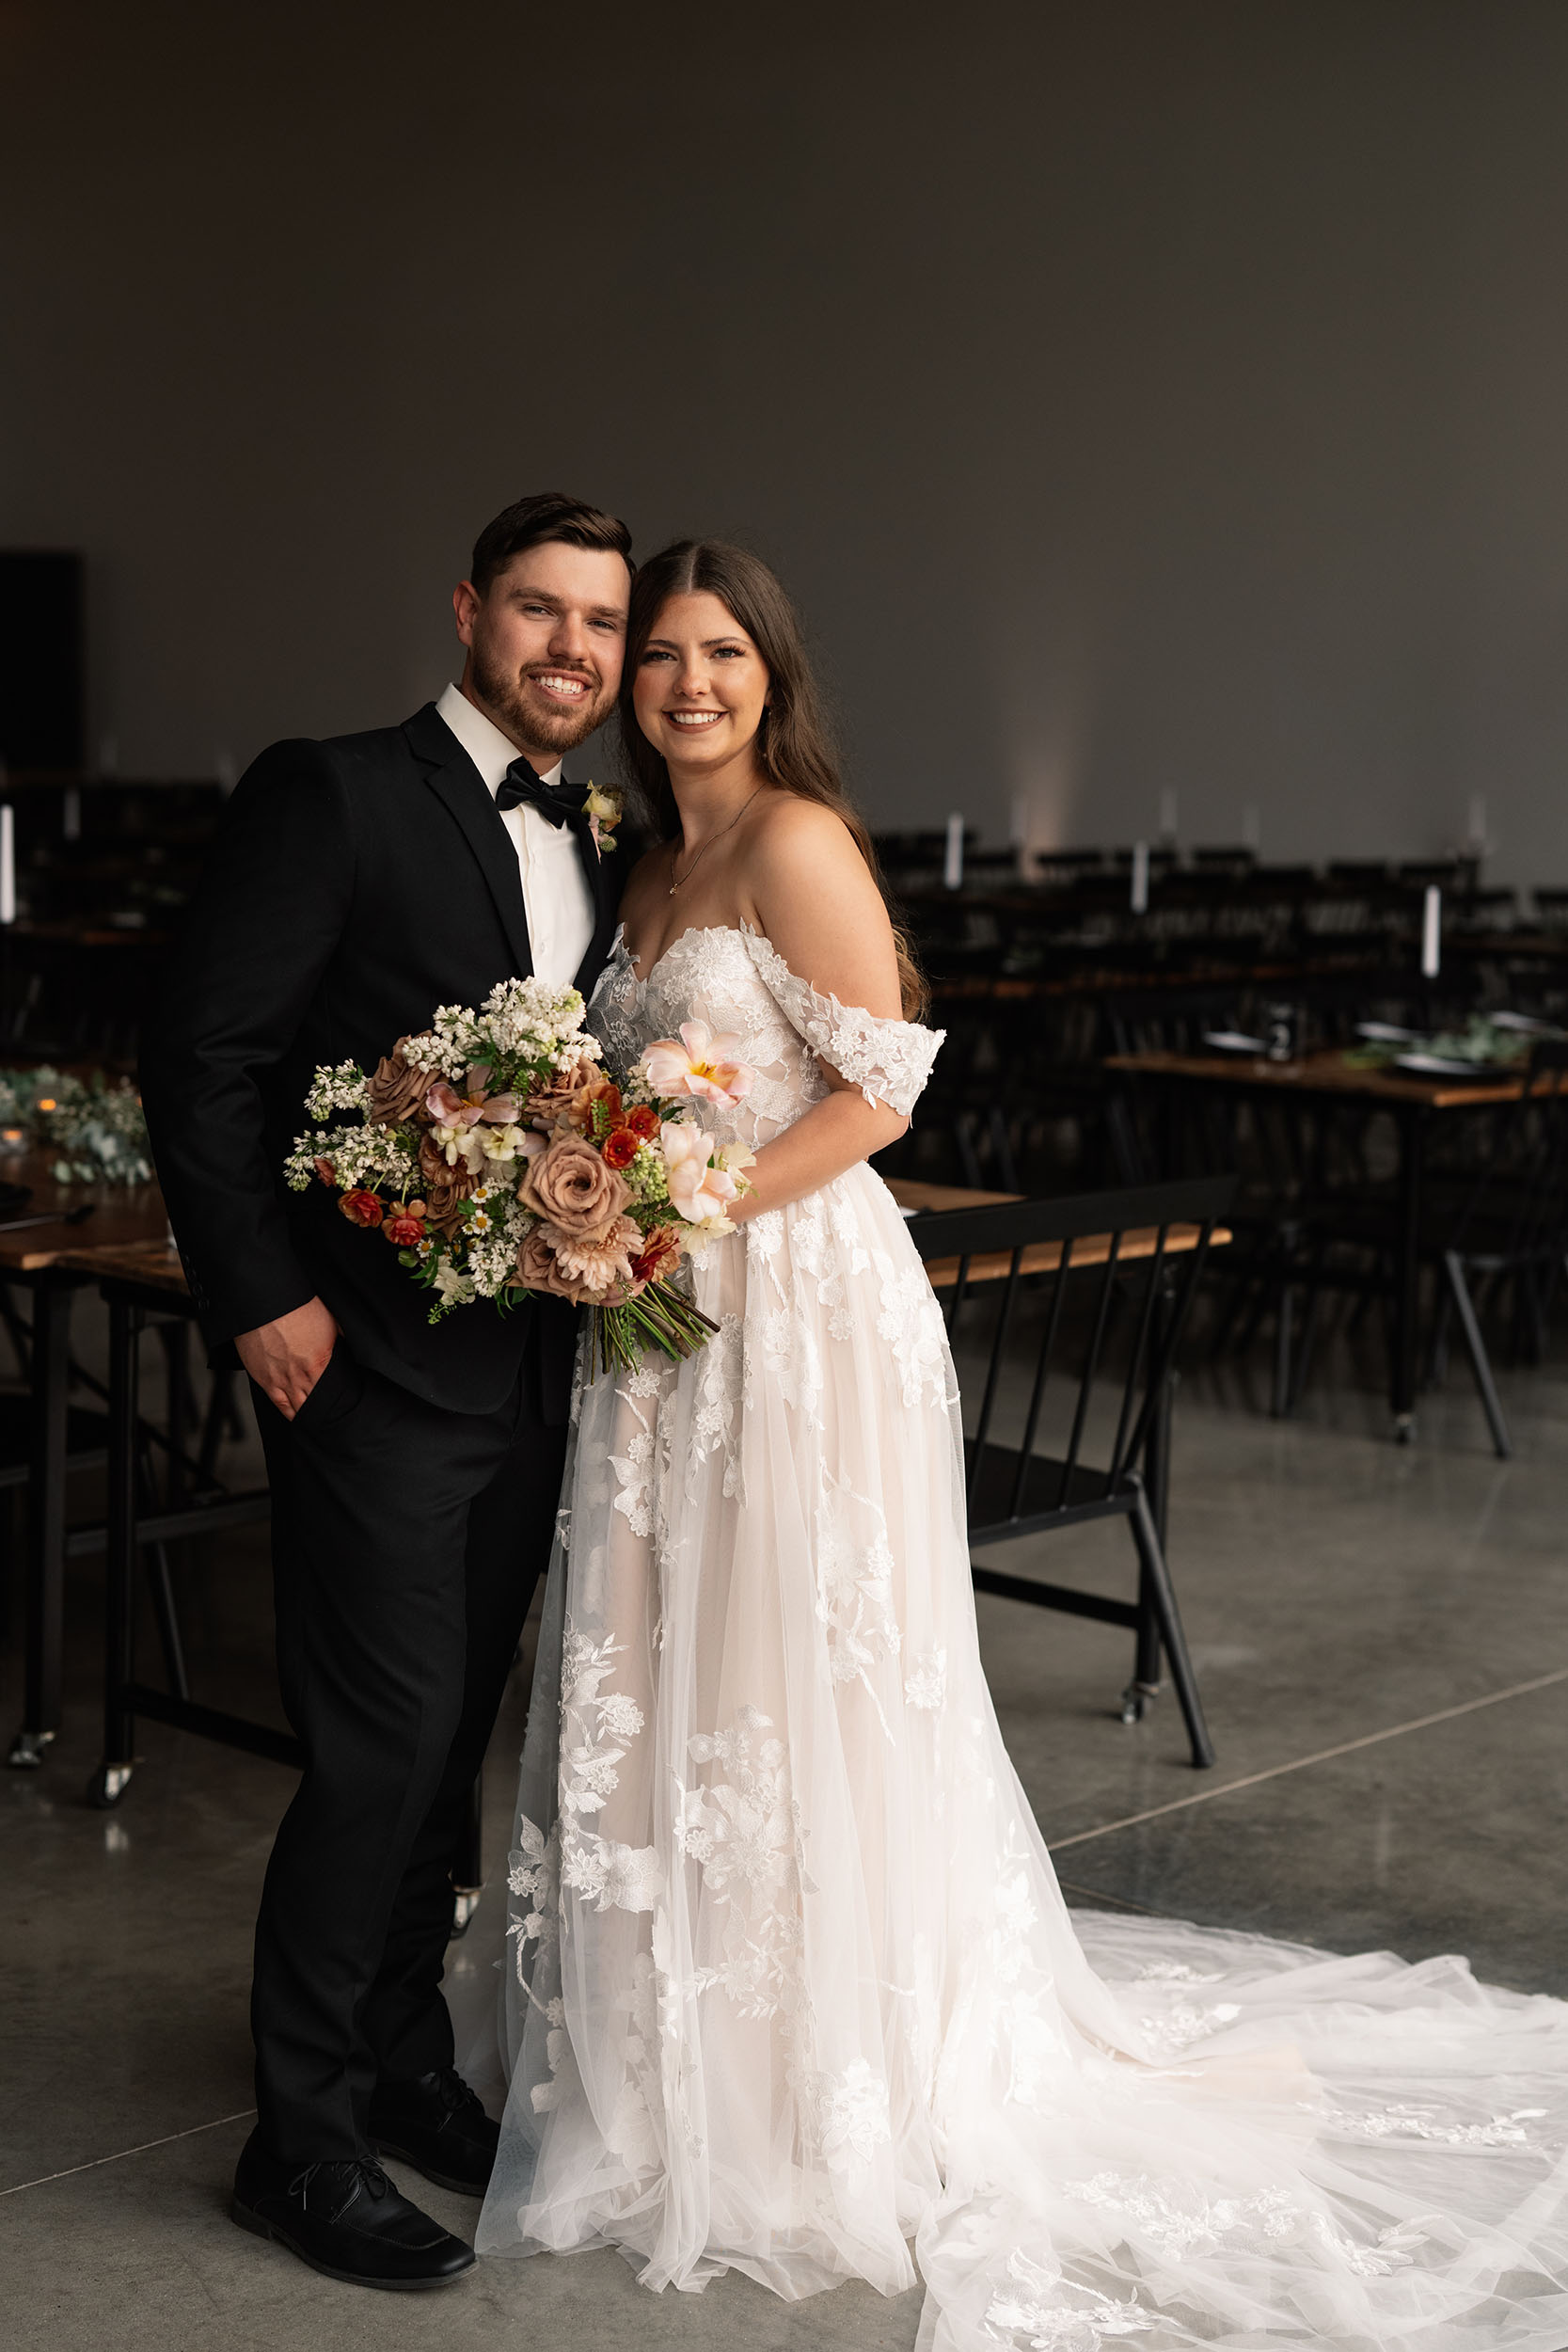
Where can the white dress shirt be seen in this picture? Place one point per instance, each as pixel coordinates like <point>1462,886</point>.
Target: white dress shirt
<point>556,896</point>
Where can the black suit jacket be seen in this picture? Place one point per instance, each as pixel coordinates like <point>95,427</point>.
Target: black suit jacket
<point>354,885</point>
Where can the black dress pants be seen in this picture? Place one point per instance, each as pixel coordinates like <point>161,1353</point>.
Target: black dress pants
<point>406,1545</point>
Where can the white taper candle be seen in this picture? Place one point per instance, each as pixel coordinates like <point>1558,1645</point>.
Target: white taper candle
<point>8,865</point>
<point>1432,932</point>
<point>953,864</point>
<point>1140,877</point>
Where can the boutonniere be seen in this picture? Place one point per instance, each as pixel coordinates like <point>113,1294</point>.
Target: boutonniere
<point>604,812</point>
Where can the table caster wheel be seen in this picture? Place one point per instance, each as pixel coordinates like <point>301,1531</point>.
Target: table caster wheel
<point>1137,1699</point>
<point>108,1785</point>
<point>29,1749</point>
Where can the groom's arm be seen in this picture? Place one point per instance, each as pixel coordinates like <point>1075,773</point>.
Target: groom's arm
<point>266,917</point>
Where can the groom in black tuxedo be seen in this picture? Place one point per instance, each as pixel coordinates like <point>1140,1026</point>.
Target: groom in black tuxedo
<point>356,884</point>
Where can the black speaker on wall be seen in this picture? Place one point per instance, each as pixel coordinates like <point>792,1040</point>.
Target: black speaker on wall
<point>40,659</point>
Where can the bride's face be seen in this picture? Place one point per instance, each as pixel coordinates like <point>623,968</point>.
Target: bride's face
<point>701,685</point>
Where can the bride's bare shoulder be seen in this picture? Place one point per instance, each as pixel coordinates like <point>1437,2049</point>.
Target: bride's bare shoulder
<point>816,898</point>
<point>797,842</point>
<point>803,846</point>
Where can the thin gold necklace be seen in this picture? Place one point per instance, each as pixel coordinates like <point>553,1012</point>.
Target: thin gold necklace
<point>678,881</point>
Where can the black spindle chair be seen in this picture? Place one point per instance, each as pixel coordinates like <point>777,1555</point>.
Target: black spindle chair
<point>1147,1245</point>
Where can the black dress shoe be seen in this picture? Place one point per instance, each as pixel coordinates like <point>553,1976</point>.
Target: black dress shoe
<point>347,2221</point>
<point>436,2124</point>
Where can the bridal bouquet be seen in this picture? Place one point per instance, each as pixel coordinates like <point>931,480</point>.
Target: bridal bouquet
<point>501,1160</point>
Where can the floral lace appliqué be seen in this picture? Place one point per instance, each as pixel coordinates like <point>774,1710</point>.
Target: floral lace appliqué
<point>925,1684</point>
<point>854,1586</point>
<point>595,1725</point>
<point>1500,2130</point>
<point>1177,2029</point>
<point>849,2118</point>
<point>889,1060</point>
<point>910,1323</point>
<point>719,1375</point>
<point>1179,2221</point>
<point>1048,2315</point>
<point>744,1833</point>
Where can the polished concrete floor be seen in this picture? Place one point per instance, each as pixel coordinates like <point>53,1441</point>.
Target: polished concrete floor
<point>1381,1637</point>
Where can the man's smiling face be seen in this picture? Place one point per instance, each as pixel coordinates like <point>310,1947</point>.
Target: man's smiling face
<point>544,644</point>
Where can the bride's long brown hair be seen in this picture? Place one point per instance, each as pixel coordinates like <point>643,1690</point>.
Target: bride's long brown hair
<point>793,747</point>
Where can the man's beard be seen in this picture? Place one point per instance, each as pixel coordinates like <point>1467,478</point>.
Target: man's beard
<point>557,731</point>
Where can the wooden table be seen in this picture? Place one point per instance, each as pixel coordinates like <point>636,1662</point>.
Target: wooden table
<point>1411,1101</point>
<point>1046,1256</point>
<point>34,1257</point>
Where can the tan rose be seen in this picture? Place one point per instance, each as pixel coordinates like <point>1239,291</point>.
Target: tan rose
<point>569,1095</point>
<point>570,1187</point>
<point>445,1189</point>
<point>397,1088</point>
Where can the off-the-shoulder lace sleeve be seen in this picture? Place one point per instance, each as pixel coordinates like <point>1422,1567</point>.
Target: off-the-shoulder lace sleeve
<point>889,1060</point>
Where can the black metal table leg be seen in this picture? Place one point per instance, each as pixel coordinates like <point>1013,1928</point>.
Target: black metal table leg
<point>1407,1290</point>
<point>176,1341</point>
<point>112,1776</point>
<point>1144,1684</point>
<point>45,1569</point>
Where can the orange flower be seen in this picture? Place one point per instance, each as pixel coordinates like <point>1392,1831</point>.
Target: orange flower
<point>404,1228</point>
<point>619,1148</point>
<point>361,1207</point>
<point>325,1171</point>
<point>662,1252</point>
<point>643,1121</point>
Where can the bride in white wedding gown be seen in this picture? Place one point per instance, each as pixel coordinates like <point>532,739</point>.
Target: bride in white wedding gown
<point>791,1989</point>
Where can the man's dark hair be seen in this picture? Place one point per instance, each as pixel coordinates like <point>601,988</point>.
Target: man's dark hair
<point>548,514</point>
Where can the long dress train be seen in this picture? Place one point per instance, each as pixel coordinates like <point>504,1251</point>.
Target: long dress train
<point>790,1984</point>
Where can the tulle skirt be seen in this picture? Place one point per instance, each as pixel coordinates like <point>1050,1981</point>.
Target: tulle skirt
<point>791,1988</point>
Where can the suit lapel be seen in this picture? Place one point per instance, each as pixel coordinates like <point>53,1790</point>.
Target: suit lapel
<point>603,882</point>
<point>458,784</point>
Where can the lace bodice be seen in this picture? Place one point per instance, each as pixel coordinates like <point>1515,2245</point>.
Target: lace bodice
<point>738,983</point>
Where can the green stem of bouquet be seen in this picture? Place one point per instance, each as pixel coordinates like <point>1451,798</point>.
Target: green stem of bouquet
<point>658,1317</point>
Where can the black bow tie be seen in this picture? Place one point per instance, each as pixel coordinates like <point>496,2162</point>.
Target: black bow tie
<point>557,803</point>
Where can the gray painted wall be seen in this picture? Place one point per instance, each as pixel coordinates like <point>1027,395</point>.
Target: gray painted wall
<point>1139,397</point>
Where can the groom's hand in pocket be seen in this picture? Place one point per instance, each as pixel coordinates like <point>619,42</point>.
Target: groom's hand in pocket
<point>287,1357</point>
